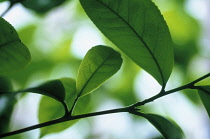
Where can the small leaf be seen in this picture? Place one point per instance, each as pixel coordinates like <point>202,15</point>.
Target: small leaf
<point>53,89</point>
<point>14,55</point>
<point>204,94</point>
<point>50,109</point>
<point>99,64</point>
<point>138,29</point>
<point>41,6</point>
<point>70,89</point>
<point>167,128</point>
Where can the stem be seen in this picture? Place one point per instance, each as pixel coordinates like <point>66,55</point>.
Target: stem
<point>63,119</point>
<point>65,108</point>
<point>201,78</point>
<point>32,127</point>
<point>161,94</point>
<point>73,106</point>
<point>202,89</point>
<point>131,109</point>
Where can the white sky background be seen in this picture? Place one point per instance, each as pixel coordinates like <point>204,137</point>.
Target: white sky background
<point>190,117</point>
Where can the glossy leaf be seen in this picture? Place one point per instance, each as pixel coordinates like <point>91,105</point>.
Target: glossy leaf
<point>138,29</point>
<point>50,109</point>
<point>41,6</point>
<point>204,93</point>
<point>99,64</point>
<point>53,89</point>
<point>167,128</point>
<point>14,55</point>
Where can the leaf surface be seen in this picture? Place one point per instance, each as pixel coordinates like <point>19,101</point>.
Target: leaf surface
<point>98,65</point>
<point>53,89</point>
<point>14,55</point>
<point>41,6</point>
<point>138,29</point>
<point>50,109</point>
<point>167,128</point>
<point>204,94</point>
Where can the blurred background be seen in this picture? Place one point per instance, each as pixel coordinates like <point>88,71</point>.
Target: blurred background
<point>59,38</point>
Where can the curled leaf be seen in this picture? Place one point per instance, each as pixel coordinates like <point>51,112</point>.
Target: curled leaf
<point>53,89</point>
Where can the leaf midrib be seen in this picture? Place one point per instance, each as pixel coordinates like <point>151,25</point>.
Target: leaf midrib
<point>147,47</point>
<point>80,93</point>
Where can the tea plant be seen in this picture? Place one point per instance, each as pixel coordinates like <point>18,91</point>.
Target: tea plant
<point>136,27</point>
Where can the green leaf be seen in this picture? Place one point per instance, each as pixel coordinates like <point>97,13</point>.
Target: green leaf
<point>2,0</point>
<point>54,89</point>
<point>14,55</point>
<point>168,129</point>
<point>204,93</point>
<point>41,6</point>
<point>50,109</point>
<point>138,29</point>
<point>7,101</point>
<point>5,85</point>
<point>98,65</point>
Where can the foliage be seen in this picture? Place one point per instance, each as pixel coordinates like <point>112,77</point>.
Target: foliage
<point>13,55</point>
<point>141,36</point>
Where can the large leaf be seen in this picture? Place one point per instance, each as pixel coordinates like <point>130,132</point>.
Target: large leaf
<point>138,29</point>
<point>14,55</point>
<point>42,6</point>
<point>98,65</point>
<point>50,109</point>
<point>54,89</point>
<point>167,128</point>
<point>204,93</point>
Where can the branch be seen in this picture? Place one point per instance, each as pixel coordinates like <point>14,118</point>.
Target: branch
<point>67,118</point>
<point>190,85</point>
<point>131,109</point>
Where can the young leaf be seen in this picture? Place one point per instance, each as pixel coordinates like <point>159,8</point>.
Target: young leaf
<point>138,29</point>
<point>42,6</point>
<point>167,128</point>
<point>70,90</point>
<point>53,89</point>
<point>50,109</point>
<point>204,94</point>
<point>99,64</point>
<point>14,55</point>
